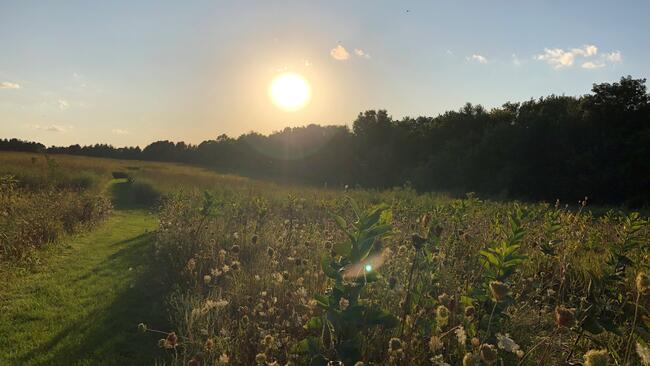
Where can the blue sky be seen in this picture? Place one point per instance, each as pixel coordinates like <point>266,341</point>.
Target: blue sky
<point>128,73</point>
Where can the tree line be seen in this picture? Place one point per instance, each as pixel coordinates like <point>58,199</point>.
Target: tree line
<point>555,147</point>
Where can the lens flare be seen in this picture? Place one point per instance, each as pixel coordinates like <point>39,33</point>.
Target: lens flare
<point>363,268</point>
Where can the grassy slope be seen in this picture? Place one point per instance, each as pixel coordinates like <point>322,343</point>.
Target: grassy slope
<point>83,305</point>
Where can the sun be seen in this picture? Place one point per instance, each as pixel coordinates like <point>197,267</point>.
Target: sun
<point>290,91</point>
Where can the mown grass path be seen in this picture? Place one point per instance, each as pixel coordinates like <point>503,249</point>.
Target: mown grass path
<point>83,305</point>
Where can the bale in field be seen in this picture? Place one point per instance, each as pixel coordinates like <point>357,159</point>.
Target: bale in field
<point>119,175</point>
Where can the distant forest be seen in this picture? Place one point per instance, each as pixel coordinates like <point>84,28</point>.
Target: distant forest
<point>596,145</point>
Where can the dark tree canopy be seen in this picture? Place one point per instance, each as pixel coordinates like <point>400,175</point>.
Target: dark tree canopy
<point>597,145</point>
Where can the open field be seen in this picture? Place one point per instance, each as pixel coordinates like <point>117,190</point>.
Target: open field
<point>251,272</point>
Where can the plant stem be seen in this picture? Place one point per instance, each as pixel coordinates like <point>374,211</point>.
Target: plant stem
<point>628,347</point>
<point>407,299</point>
<point>490,321</point>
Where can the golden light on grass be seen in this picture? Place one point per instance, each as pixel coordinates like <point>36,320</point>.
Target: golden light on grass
<point>290,91</point>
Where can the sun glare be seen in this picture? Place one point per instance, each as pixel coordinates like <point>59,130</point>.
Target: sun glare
<point>290,91</point>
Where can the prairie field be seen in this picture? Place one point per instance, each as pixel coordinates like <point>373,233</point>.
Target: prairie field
<point>246,272</point>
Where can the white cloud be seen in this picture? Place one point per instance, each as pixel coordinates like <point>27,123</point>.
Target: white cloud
<point>339,53</point>
<point>119,131</point>
<point>449,52</point>
<point>63,105</point>
<point>561,58</point>
<point>9,85</point>
<point>613,56</point>
<point>592,65</point>
<point>478,58</point>
<point>361,53</point>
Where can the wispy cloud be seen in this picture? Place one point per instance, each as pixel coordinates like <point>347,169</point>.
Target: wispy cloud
<point>119,131</point>
<point>361,53</point>
<point>63,104</point>
<point>9,85</point>
<point>592,65</point>
<point>560,58</point>
<point>515,60</point>
<point>613,56</point>
<point>51,128</point>
<point>477,58</point>
<point>339,53</point>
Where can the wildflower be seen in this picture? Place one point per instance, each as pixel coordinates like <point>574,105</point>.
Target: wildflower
<point>506,343</point>
<point>207,279</point>
<point>435,343</point>
<point>461,335</point>
<point>209,345</point>
<point>260,358</point>
<point>235,235</point>
<point>234,249</point>
<point>643,283</point>
<point>564,317</point>
<point>142,328</point>
<point>222,255</point>
<point>520,353</point>
<point>395,344</point>
<point>344,303</point>
<point>161,343</point>
<point>596,358</point>
<point>488,354</point>
<point>499,290</point>
<point>644,353</point>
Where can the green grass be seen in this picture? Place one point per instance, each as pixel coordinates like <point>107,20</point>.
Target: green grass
<point>82,306</point>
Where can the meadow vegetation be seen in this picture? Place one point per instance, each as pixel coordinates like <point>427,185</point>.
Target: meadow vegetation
<point>258,273</point>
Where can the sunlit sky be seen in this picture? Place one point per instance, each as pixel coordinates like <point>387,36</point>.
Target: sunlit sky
<point>132,72</point>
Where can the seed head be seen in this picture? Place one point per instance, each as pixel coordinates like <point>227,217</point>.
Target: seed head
<point>209,345</point>
<point>260,358</point>
<point>142,328</point>
<point>488,354</point>
<point>442,312</point>
<point>270,251</point>
<point>235,266</point>
<point>254,239</point>
<point>499,290</point>
<point>470,311</point>
<point>395,344</point>
<point>564,317</point>
<point>171,341</point>
<point>596,358</point>
<point>435,343</point>
<point>643,283</point>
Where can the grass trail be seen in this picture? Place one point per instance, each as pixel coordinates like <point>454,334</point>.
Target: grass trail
<point>83,305</point>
